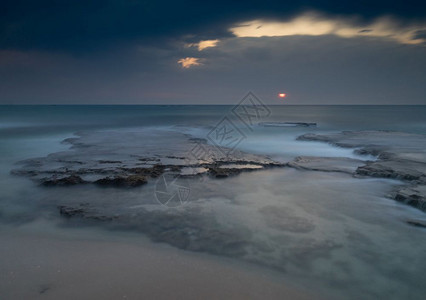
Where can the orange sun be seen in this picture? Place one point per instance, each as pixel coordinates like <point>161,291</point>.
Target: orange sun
<point>281,95</point>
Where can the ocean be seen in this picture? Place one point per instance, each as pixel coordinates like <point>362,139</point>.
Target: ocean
<point>343,238</point>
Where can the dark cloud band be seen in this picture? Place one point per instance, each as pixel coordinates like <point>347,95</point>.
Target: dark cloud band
<point>83,25</point>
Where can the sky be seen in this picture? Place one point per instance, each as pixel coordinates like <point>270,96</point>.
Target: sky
<point>212,52</point>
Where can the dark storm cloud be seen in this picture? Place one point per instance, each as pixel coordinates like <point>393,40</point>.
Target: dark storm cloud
<point>114,52</point>
<point>91,25</point>
<point>312,70</point>
<point>420,34</point>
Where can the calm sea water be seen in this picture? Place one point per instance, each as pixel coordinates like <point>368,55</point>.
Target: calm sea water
<point>19,123</point>
<point>333,117</point>
<point>360,246</point>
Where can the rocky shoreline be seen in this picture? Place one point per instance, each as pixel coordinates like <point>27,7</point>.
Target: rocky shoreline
<point>97,158</point>
<point>100,159</point>
<point>105,160</point>
<point>400,156</point>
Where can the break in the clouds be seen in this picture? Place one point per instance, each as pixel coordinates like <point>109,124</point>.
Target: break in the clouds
<point>115,51</point>
<point>314,24</point>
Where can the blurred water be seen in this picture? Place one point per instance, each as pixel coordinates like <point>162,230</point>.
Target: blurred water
<point>345,238</point>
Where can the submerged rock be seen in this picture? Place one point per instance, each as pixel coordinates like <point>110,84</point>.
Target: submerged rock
<point>64,181</point>
<point>414,196</point>
<point>417,223</point>
<point>375,142</point>
<point>69,212</point>
<point>154,172</point>
<point>184,229</point>
<point>83,211</point>
<point>120,181</point>
<point>284,219</point>
<point>224,171</point>
<point>287,124</point>
<point>399,155</point>
<point>308,250</point>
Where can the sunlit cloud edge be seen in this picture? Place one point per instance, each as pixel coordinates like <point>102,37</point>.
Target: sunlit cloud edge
<point>315,24</point>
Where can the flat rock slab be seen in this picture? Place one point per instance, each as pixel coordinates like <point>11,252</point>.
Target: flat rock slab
<point>326,164</point>
<point>130,159</point>
<point>405,145</point>
<point>402,169</point>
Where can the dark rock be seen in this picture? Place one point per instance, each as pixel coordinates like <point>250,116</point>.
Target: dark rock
<point>287,124</point>
<point>396,169</point>
<point>149,159</point>
<point>370,151</point>
<point>175,168</point>
<point>417,223</point>
<point>155,171</point>
<point>376,171</point>
<point>68,211</point>
<point>119,181</point>
<point>69,180</point>
<point>223,172</point>
<point>83,211</point>
<point>414,196</point>
<point>110,162</point>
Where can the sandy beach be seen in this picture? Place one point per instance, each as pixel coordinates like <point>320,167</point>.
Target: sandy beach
<point>87,264</point>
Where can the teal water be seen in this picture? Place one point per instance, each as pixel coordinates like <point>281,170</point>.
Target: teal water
<point>332,117</point>
<point>19,123</point>
<point>359,246</point>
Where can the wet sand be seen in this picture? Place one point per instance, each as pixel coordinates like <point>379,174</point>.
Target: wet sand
<point>89,264</point>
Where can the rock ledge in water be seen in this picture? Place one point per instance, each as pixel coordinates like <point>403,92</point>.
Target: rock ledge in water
<point>287,124</point>
<point>131,159</point>
<point>399,155</point>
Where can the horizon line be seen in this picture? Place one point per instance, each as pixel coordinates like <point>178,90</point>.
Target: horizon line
<point>206,104</point>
